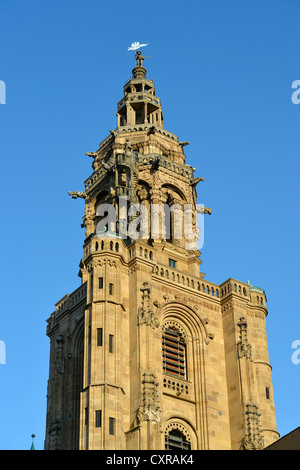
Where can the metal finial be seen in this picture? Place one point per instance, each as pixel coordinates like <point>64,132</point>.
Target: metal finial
<point>32,445</point>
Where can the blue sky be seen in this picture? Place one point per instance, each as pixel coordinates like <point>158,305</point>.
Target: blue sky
<point>223,70</point>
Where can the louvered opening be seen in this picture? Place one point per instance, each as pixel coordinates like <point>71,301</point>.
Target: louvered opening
<point>176,440</point>
<point>174,354</point>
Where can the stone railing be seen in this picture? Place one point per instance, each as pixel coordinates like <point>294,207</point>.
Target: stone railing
<point>94,178</point>
<point>232,286</point>
<point>168,164</point>
<point>68,302</point>
<point>146,126</point>
<point>177,387</point>
<point>132,78</point>
<point>186,280</point>
<point>71,300</point>
<point>139,95</point>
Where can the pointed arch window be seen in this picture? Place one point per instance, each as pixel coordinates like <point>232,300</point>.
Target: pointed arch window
<point>174,353</point>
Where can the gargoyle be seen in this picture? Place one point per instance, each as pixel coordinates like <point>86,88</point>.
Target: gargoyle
<point>203,210</point>
<point>195,181</point>
<point>152,130</point>
<point>182,144</point>
<point>155,164</point>
<point>91,154</point>
<point>76,194</point>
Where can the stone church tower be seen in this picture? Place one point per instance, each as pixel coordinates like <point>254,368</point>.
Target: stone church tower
<point>146,354</point>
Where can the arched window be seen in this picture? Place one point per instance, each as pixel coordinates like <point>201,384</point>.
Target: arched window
<point>175,440</point>
<point>174,353</point>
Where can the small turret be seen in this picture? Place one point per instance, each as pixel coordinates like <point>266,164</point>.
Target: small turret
<point>139,104</point>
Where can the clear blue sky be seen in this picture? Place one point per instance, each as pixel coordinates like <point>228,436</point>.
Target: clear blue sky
<point>223,70</point>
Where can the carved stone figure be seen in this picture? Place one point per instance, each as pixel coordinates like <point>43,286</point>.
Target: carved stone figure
<point>145,312</point>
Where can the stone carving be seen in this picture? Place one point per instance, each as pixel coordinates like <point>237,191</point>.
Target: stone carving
<point>226,307</point>
<point>76,194</point>
<point>106,166</point>
<point>203,210</point>
<point>149,409</point>
<point>59,362</point>
<point>133,269</point>
<point>244,348</point>
<point>155,164</point>
<point>152,130</point>
<point>133,167</point>
<point>145,312</point>
<point>92,154</point>
<point>54,435</point>
<point>195,181</point>
<point>140,58</point>
<point>184,143</point>
<point>209,337</point>
<point>88,218</point>
<point>149,415</point>
<point>100,262</point>
<point>253,439</point>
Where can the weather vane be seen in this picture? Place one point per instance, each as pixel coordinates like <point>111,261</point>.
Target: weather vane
<point>135,45</point>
